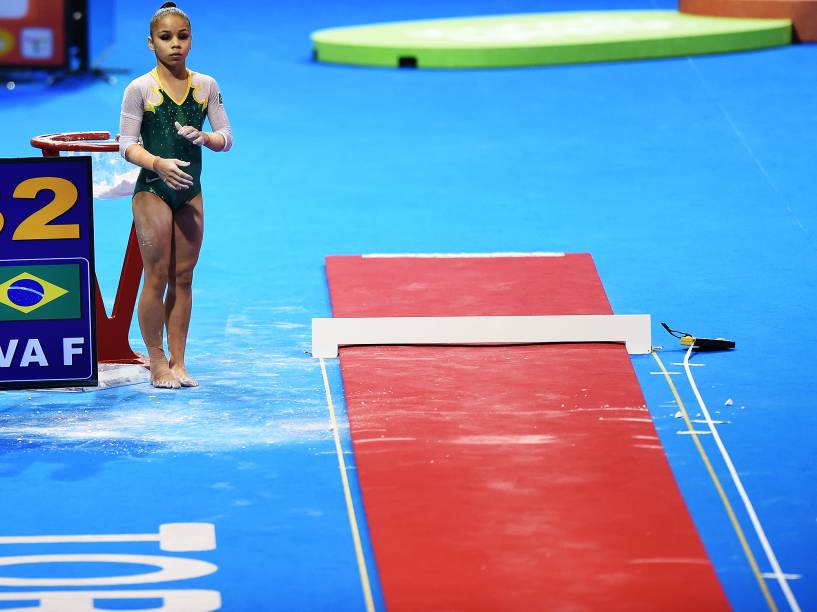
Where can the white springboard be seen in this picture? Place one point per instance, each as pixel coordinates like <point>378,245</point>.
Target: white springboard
<point>330,333</point>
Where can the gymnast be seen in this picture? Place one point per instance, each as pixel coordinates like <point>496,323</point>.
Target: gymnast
<point>161,123</point>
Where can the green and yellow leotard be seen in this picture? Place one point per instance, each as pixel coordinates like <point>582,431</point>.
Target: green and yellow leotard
<point>149,103</point>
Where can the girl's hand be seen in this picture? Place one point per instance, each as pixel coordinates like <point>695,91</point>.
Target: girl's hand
<point>170,171</point>
<point>191,134</point>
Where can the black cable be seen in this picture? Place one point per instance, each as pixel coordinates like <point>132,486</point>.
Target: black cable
<point>674,332</point>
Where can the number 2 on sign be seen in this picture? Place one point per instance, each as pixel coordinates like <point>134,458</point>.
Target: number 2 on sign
<point>36,225</point>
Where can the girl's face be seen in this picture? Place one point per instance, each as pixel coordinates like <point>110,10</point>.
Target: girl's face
<point>170,40</point>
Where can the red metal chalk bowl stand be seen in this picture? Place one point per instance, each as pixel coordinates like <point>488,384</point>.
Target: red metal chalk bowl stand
<point>111,332</point>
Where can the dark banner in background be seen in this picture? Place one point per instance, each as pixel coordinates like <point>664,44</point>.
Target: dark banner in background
<point>47,317</point>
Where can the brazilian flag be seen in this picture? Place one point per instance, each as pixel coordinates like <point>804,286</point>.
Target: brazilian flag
<point>35,292</point>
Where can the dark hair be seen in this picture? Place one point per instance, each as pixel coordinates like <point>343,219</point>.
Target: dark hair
<point>168,8</point>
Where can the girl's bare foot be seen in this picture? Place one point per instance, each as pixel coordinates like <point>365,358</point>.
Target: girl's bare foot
<point>161,376</point>
<point>181,374</point>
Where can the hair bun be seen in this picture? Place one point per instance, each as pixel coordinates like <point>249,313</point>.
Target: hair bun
<point>168,5</point>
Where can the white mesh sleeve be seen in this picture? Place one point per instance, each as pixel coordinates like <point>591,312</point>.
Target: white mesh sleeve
<point>218,116</point>
<point>130,120</point>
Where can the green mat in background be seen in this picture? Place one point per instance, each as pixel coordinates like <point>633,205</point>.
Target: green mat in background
<point>544,38</point>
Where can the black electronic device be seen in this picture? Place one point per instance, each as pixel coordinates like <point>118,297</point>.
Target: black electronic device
<point>701,344</point>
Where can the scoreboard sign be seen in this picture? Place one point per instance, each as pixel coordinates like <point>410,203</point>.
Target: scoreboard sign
<point>47,314</point>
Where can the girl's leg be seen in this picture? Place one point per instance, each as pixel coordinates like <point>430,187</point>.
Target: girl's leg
<point>154,228</point>
<point>188,232</point>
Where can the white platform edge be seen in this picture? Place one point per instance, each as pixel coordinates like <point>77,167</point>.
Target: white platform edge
<point>461,255</point>
<point>330,333</point>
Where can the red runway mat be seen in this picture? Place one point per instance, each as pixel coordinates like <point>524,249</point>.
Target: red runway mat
<point>514,477</point>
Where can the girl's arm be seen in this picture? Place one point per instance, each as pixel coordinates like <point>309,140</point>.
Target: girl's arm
<point>130,124</point>
<point>221,138</point>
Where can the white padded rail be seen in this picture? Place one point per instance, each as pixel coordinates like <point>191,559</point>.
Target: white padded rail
<point>330,333</point>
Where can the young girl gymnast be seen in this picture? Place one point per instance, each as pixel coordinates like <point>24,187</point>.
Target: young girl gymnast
<point>161,123</point>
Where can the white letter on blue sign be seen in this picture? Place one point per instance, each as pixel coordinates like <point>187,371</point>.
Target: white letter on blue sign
<point>69,349</point>
<point>5,358</point>
<point>33,352</point>
<point>171,568</point>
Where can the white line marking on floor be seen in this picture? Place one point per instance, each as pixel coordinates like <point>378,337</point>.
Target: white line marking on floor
<point>788,576</point>
<point>742,139</point>
<point>347,493</point>
<point>761,534</point>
